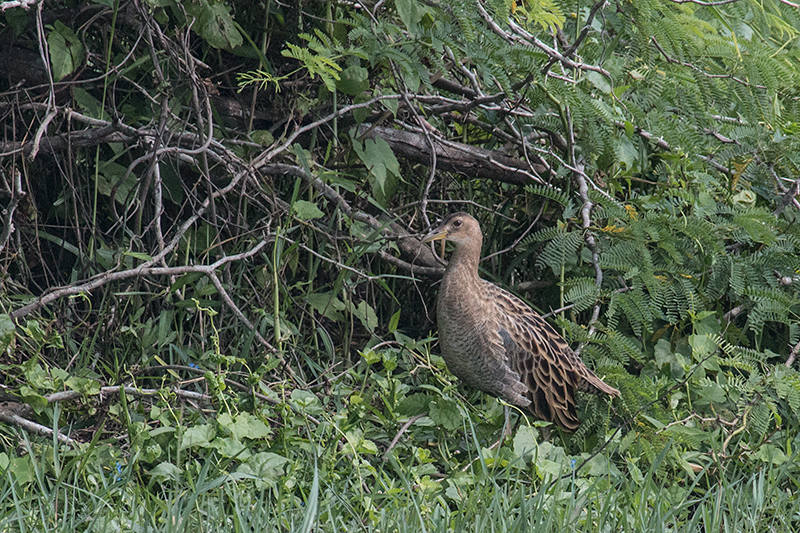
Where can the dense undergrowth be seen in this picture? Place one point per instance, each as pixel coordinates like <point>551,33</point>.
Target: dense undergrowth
<point>216,315</point>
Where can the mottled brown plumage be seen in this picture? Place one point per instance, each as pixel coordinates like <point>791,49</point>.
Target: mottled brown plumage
<point>494,342</point>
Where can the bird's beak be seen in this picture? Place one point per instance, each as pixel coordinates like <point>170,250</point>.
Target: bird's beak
<point>435,235</point>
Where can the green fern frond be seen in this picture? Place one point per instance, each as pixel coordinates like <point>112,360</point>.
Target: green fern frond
<point>582,293</point>
<point>559,250</point>
<point>551,193</point>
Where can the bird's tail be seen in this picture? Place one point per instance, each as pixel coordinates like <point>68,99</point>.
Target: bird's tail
<point>593,384</point>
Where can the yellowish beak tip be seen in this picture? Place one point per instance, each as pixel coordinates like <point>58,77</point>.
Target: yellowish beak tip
<point>435,236</point>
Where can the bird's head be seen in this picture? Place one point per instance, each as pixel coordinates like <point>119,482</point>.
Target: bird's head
<point>458,228</point>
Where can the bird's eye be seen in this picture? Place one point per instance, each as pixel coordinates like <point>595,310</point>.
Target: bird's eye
<point>457,223</point>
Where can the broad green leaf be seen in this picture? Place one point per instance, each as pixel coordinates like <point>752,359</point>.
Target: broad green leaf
<point>262,137</point>
<point>17,20</point>
<point>138,255</point>
<point>216,26</point>
<point>663,352</point>
<point>7,331</point>
<point>769,453</point>
<point>702,346</point>
<point>599,81</point>
<point>414,404</point>
<point>526,440</point>
<point>244,426</point>
<point>199,436</point>
<point>33,398</point>
<point>327,304</point>
<point>88,103</point>
<point>85,386</point>
<point>711,392</point>
<point>411,12</point>
<point>21,469</point>
<point>66,50</point>
<point>266,466</point>
<point>305,210</point>
<point>366,314</point>
<point>445,413</point>
<point>306,401</point>
<point>620,90</point>
<point>151,451</point>
<point>391,104</point>
<point>394,321</point>
<point>371,357</point>
<point>165,470</point>
<point>627,152</point>
<point>231,447</point>
<point>367,446</point>
<point>353,80</point>
<point>383,166</point>
<point>112,178</point>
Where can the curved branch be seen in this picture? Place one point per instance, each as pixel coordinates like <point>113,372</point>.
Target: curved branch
<point>145,270</point>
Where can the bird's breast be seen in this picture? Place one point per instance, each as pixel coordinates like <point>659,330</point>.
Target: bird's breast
<point>464,335</point>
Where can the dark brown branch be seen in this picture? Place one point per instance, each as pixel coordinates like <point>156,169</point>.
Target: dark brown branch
<point>453,87</point>
<point>570,51</point>
<point>431,272</point>
<point>59,143</point>
<point>472,161</point>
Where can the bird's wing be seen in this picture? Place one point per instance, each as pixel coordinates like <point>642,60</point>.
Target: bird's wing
<point>543,360</point>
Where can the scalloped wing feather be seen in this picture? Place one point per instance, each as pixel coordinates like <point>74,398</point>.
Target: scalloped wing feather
<point>545,363</point>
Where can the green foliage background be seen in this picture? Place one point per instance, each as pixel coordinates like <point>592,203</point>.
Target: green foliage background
<point>220,215</point>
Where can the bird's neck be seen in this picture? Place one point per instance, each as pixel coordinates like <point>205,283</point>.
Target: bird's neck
<point>465,261</point>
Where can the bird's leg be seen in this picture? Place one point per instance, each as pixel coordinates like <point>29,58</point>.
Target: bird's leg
<point>506,427</point>
<point>506,421</point>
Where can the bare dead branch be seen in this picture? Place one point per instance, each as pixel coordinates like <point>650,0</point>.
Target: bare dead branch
<point>66,396</point>
<point>33,427</point>
<point>403,429</point>
<point>522,36</point>
<point>147,269</point>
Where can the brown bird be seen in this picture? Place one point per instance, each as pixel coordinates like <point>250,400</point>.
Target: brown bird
<point>493,341</point>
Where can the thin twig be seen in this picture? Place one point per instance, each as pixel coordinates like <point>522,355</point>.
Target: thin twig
<point>400,433</point>
<point>519,239</point>
<point>792,355</point>
<point>569,52</point>
<point>8,213</point>
<point>235,384</point>
<point>51,95</point>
